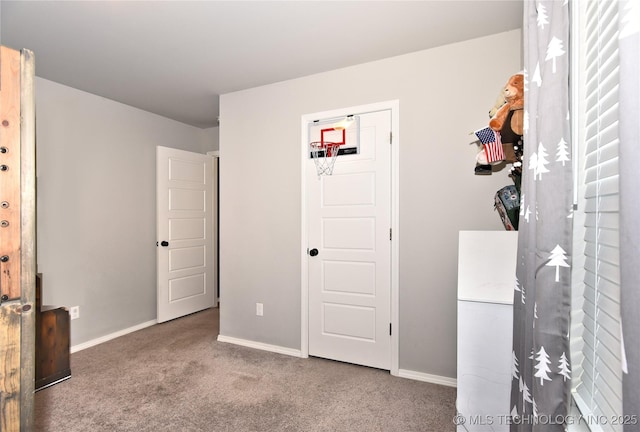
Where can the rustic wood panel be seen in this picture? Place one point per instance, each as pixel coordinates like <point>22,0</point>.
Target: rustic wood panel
<point>10,367</point>
<point>17,240</point>
<point>10,176</point>
<point>28,237</point>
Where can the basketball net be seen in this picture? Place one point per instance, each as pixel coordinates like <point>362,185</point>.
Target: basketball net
<point>325,153</point>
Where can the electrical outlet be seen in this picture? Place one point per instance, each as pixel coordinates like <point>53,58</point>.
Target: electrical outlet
<point>74,312</point>
<point>259,309</point>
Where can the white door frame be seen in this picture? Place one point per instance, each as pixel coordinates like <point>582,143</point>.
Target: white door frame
<point>394,106</point>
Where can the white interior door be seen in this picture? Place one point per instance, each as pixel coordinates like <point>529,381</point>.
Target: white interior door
<point>185,252</point>
<point>349,222</point>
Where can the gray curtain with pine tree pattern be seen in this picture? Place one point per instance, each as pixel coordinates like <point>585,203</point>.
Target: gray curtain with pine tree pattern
<point>541,374</point>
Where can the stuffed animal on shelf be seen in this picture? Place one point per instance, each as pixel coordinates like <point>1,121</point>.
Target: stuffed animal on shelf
<point>507,120</point>
<point>500,100</point>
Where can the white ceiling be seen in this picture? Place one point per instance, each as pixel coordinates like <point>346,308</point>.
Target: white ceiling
<point>174,58</point>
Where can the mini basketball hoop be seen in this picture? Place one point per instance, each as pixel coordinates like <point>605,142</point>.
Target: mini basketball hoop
<point>325,153</point>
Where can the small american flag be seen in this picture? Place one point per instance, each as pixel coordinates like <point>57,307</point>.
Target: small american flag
<point>491,143</point>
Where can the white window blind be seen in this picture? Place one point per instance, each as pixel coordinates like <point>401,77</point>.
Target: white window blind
<point>596,347</point>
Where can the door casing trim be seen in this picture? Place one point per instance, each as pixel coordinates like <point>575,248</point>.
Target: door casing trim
<point>394,107</point>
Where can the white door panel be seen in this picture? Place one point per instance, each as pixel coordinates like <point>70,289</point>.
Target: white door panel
<point>186,287</point>
<point>187,258</point>
<point>349,218</point>
<point>187,229</point>
<point>349,189</point>
<point>351,277</point>
<point>185,222</point>
<point>188,171</point>
<point>187,199</point>
<point>349,321</point>
<point>349,233</point>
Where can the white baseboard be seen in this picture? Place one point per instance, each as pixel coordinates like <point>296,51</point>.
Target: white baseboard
<point>260,346</point>
<point>433,379</point>
<point>102,339</point>
<point>403,373</point>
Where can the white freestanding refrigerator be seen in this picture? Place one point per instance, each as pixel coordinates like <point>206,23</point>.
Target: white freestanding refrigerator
<point>486,280</point>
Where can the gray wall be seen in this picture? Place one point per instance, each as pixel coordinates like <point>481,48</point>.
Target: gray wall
<point>210,139</point>
<point>96,205</point>
<point>444,94</point>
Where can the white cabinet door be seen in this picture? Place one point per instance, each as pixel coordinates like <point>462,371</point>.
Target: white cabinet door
<point>486,281</point>
<point>484,365</point>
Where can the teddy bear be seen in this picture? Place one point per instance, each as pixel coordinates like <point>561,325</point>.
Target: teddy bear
<point>507,120</point>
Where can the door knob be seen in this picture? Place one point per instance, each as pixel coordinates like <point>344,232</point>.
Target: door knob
<point>313,252</point>
<point>164,243</point>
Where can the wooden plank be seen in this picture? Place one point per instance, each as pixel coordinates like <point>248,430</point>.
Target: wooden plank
<point>10,318</point>
<point>10,173</point>
<point>17,240</point>
<point>28,239</point>
<point>10,367</point>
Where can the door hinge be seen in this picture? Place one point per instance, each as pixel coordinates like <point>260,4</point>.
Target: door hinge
<point>390,137</point>
<point>390,234</point>
<point>389,329</point>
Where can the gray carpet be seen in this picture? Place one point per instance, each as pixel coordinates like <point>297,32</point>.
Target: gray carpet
<point>176,377</point>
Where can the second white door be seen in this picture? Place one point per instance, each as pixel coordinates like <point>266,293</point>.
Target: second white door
<point>185,250</point>
<point>349,223</point>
